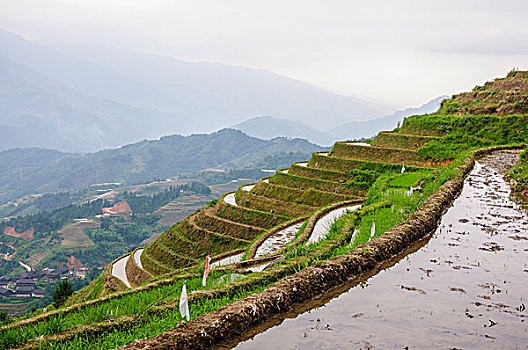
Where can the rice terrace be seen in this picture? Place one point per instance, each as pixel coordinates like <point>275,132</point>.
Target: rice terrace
<point>417,238</point>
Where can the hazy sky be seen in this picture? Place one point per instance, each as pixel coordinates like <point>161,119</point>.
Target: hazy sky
<point>407,52</point>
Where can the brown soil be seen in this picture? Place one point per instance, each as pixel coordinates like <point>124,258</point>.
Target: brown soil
<point>27,235</point>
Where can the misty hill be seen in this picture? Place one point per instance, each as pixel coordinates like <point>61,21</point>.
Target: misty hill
<point>370,128</point>
<point>266,127</point>
<point>34,170</point>
<point>37,111</point>
<point>208,96</point>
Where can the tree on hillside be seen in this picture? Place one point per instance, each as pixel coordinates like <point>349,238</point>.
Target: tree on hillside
<point>3,317</point>
<point>62,292</point>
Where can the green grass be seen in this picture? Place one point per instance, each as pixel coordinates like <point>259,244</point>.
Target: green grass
<point>406,180</point>
<point>393,189</point>
<point>130,304</point>
<point>149,326</point>
<point>519,173</point>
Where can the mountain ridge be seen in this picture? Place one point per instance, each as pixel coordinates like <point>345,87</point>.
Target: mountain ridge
<point>266,127</point>
<point>187,96</point>
<point>37,170</point>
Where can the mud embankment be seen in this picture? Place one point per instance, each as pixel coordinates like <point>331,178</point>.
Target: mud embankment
<point>466,288</point>
<point>135,273</point>
<point>233,320</point>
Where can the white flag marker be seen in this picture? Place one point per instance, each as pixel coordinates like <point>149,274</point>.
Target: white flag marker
<point>206,271</point>
<point>184,306</point>
<point>373,229</point>
<point>403,169</point>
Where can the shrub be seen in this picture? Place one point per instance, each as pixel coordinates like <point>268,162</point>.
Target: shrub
<point>62,292</point>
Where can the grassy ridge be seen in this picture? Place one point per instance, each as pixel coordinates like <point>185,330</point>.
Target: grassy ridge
<point>519,174</point>
<point>467,133</point>
<point>401,141</point>
<point>357,175</point>
<point>377,154</point>
<point>228,227</point>
<point>320,161</point>
<point>250,200</point>
<point>311,197</point>
<point>249,216</point>
<point>350,188</point>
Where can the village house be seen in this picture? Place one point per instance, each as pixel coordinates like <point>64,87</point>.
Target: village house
<point>5,293</point>
<point>4,281</point>
<point>26,282</point>
<point>81,272</point>
<point>38,293</point>
<point>24,291</point>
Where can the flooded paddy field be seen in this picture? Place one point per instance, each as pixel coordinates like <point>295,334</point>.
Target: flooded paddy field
<point>465,287</point>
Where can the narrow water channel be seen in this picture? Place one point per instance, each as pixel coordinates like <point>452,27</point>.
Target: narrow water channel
<point>467,287</point>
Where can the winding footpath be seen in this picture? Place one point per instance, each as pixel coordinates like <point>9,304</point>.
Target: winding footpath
<point>465,288</point>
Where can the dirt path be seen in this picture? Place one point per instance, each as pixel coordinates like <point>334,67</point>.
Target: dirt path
<point>466,288</point>
<point>119,271</point>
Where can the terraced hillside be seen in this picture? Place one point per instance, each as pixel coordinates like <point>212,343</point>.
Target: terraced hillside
<point>343,175</point>
<point>278,227</point>
<point>499,97</point>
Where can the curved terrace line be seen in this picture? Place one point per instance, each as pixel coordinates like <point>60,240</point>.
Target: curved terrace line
<point>137,257</point>
<point>230,199</point>
<point>322,225</point>
<point>119,270</point>
<point>278,240</point>
<point>228,260</point>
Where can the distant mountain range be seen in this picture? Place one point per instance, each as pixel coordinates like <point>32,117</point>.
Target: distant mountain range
<point>370,128</point>
<point>266,127</point>
<point>85,98</point>
<point>37,170</point>
<point>36,111</point>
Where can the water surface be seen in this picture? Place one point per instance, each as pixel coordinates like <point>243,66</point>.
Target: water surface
<point>466,288</point>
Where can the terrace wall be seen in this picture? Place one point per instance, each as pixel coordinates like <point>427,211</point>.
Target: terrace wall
<point>385,155</point>
<point>248,216</point>
<point>320,161</point>
<point>260,203</point>
<point>348,188</point>
<point>311,197</point>
<point>391,139</point>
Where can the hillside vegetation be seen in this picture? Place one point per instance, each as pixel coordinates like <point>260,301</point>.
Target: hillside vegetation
<point>422,154</point>
<point>35,170</point>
